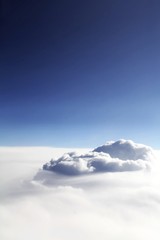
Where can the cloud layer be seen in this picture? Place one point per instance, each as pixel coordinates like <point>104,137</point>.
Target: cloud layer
<point>121,205</point>
<point>119,156</point>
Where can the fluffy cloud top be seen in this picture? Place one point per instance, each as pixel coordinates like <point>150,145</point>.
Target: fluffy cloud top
<point>126,150</point>
<point>116,156</point>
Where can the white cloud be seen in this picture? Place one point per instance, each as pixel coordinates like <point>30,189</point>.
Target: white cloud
<point>113,205</point>
<point>117,156</point>
<point>126,150</point>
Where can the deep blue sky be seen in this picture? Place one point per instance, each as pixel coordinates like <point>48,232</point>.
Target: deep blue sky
<point>77,73</point>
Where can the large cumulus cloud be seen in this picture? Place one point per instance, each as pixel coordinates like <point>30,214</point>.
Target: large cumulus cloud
<point>119,156</point>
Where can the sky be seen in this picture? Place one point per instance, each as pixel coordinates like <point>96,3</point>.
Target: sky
<point>79,73</point>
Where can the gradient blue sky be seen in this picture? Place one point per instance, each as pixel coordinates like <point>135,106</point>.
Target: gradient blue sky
<point>78,73</point>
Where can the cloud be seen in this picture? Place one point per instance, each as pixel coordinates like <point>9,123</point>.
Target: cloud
<point>126,150</point>
<point>116,156</point>
<point>121,205</point>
